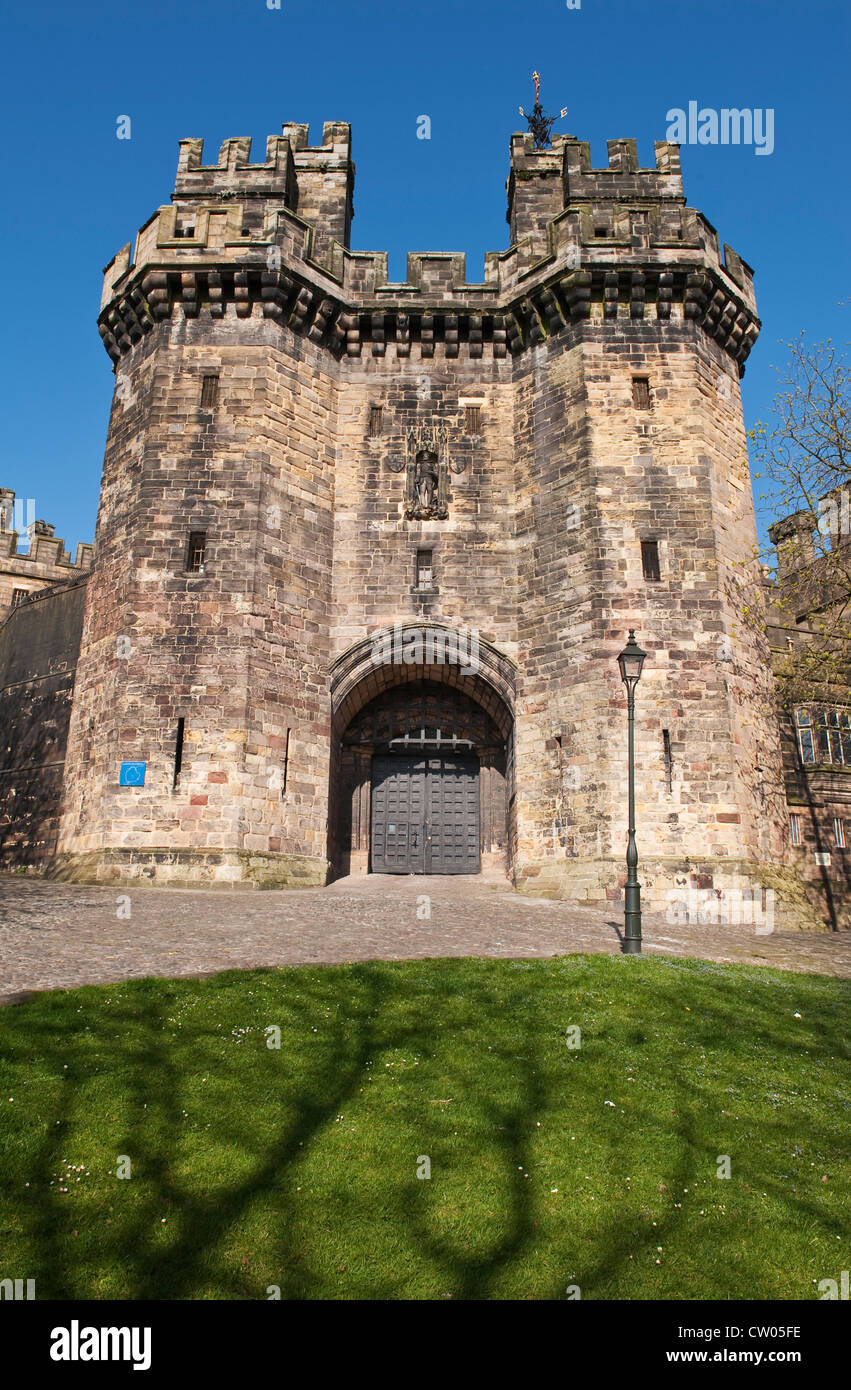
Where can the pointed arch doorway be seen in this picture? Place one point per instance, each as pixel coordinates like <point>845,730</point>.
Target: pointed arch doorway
<point>421,769</point>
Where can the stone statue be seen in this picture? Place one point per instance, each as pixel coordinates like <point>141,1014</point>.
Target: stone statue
<point>425,478</point>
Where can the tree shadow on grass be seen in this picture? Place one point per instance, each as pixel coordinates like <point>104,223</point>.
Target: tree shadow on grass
<point>764,1029</point>
<point>264,1111</point>
<point>153,1064</point>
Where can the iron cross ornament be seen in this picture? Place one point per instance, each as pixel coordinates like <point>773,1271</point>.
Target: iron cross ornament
<point>539,124</point>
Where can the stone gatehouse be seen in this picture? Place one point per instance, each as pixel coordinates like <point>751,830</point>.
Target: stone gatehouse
<point>367,551</point>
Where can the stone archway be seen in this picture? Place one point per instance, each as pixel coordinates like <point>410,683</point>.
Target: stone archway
<point>422,717</point>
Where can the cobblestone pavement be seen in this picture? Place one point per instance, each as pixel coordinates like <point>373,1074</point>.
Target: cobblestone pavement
<point>61,935</point>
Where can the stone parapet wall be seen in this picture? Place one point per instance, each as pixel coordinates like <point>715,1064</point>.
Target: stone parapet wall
<point>39,645</point>
<point>275,237</point>
<point>44,563</point>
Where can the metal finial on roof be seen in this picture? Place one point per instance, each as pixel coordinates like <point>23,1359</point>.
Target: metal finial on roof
<point>539,124</point>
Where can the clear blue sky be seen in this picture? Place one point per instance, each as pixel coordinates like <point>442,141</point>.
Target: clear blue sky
<point>74,193</point>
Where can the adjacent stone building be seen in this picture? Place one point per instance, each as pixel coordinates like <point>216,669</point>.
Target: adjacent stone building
<point>367,551</point>
<point>44,563</point>
<point>806,600</point>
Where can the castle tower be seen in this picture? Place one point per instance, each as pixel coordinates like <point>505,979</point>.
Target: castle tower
<point>367,552</point>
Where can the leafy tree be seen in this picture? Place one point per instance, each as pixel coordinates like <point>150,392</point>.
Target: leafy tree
<point>805,457</point>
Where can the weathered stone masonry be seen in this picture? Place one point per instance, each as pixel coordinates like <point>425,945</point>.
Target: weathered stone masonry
<point>44,563</point>
<point>525,435</point>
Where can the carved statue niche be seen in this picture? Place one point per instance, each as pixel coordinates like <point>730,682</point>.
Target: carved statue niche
<point>427,489</point>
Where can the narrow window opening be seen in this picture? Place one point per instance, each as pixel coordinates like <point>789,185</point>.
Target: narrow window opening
<point>839,832</point>
<point>209,392</point>
<point>19,596</point>
<point>669,760</point>
<point>641,392</point>
<point>196,553</point>
<point>425,570</point>
<point>375,421</point>
<point>601,231</point>
<point>795,829</point>
<point>650,559</point>
<point>473,423</point>
<point>286,763</point>
<point>178,752</point>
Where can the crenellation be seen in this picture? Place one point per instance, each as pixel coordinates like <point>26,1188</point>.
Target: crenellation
<point>234,173</point>
<point>44,564</point>
<point>623,178</point>
<point>213,263</point>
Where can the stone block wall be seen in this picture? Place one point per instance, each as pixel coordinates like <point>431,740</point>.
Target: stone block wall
<point>603,475</point>
<point>39,646</point>
<point>238,652</point>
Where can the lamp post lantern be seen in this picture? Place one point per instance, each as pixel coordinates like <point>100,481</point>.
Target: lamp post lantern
<point>631,662</point>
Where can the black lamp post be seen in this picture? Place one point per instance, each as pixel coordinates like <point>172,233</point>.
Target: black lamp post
<point>631,662</point>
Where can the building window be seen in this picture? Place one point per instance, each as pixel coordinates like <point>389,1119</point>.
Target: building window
<point>650,559</point>
<point>806,737</point>
<point>641,392</point>
<point>375,422</point>
<point>601,231</point>
<point>19,596</point>
<point>196,552</point>
<point>424,569</point>
<point>795,829</point>
<point>824,735</point>
<point>839,832</point>
<point>209,392</point>
<point>473,420</point>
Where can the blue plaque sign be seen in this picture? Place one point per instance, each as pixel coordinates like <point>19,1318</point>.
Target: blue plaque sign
<point>132,775</point>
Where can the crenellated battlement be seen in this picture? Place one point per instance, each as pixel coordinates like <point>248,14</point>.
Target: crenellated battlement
<point>316,182</point>
<point>575,155</point>
<point>623,177</point>
<point>234,172</point>
<point>272,239</point>
<point>44,550</point>
<point>542,183</point>
<point>46,562</point>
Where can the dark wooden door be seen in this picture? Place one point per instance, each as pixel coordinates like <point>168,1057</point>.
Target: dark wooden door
<point>453,843</point>
<point>398,815</point>
<point>425,815</point>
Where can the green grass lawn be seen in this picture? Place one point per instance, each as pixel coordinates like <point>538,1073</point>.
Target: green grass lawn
<point>551,1166</point>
